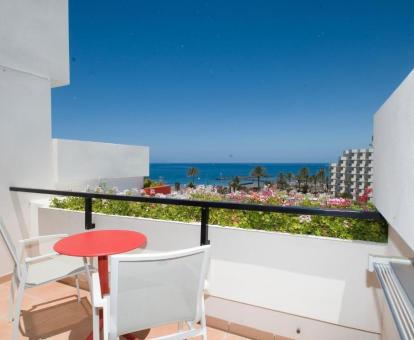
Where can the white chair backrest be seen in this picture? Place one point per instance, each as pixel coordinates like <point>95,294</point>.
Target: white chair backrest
<point>9,243</point>
<point>148,290</point>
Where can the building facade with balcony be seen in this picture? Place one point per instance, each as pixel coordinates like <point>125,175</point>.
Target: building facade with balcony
<point>353,173</point>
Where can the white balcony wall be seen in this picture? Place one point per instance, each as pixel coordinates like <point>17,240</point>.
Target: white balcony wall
<point>25,149</point>
<point>33,57</point>
<point>79,163</point>
<point>394,160</point>
<point>34,38</point>
<point>393,175</point>
<point>270,281</point>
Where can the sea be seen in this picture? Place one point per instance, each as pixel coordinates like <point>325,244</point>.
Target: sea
<point>222,173</point>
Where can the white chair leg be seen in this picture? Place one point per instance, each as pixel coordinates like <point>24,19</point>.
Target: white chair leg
<point>12,295</point>
<point>106,314</point>
<point>95,323</point>
<point>77,288</point>
<point>17,305</point>
<point>203,322</point>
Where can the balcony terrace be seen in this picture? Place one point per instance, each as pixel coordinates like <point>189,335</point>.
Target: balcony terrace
<point>230,265</point>
<point>52,311</point>
<point>262,284</point>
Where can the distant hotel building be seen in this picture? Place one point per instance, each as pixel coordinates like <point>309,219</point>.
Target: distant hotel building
<point>352,173</point>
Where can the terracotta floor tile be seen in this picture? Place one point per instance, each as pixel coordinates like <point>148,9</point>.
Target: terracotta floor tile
<point>163,330</point>
<point>51,311</point>
<point>51,291</point>
<point>46,320</point>
<point>215,334</point>
<point>5,329</point>
<point>212,334</point>
<point>4,307</point>
<point>4,288</point>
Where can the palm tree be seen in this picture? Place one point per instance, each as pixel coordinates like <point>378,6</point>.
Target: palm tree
<point>235,183</point>
<point>289,178</point>
<point>304,175</point>
<point>259,172</point>
<point>321,178</point>
<point>281,181</point>
<point>192,172</point>
<point>314,179</point>
<point>298,182</point>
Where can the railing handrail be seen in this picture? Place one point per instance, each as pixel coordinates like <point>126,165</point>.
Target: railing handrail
<point>297,210</point>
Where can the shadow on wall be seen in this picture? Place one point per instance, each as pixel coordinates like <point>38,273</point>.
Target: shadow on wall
<point>24,231</point>
<point>397,246</point>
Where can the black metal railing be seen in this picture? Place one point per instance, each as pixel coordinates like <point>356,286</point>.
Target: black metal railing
<point>204,205</point>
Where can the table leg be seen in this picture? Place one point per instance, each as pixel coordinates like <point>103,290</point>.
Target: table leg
<point>103,274</point>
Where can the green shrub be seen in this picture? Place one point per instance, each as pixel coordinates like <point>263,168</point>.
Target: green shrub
<point>351,229</point>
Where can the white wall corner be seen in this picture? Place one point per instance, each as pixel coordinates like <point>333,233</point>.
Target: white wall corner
<point>394,159</point>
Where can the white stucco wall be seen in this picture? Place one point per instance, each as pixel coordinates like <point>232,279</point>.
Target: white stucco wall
<point>310,281</point>
<point>394,160</point>
<point>394,176</point>
<point>25,148</point>
<point>33,57</point>
<point>34,38</point>
<point>77,163</point>
<point>320,278</point>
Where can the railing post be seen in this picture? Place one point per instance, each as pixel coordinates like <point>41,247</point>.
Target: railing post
<point>204,227</point>
<point>88,214</point>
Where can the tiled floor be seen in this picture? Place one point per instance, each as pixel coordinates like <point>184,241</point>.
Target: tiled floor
<point>52,312</point>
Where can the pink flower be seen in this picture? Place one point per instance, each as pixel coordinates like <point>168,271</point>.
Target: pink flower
<point>305,218</point>
<point>339,202</point>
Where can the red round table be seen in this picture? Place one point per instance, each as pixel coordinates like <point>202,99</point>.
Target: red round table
<point>100,243</point>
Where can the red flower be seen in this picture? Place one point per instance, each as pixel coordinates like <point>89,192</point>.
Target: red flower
<point>365,196</point>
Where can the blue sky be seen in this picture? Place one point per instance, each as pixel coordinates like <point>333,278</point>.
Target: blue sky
<point>232,81</point>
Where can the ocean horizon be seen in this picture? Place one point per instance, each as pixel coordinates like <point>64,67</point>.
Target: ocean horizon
<point>222,173</point>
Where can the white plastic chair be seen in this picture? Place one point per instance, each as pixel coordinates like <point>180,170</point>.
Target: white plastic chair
<point>34,271</point>
<point>149,290</point>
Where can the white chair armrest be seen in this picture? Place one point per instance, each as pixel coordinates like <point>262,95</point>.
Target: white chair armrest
<point>40,257</point>
<point>42,238</point>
